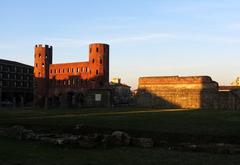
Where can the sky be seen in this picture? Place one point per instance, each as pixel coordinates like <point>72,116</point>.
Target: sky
<point>146,37</point>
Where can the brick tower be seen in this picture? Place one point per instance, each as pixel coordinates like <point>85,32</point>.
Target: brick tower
<point>99,63</point>
<point>68,83</point>
<point>42,62</point>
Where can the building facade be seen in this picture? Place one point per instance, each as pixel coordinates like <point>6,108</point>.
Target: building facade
<point>69,84</point>
<point>16,84</point>
<point>121,93</point>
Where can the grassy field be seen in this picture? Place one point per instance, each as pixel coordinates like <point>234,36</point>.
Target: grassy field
<point>155,123</point>
<point>28,153</point>
<point>196,122</point>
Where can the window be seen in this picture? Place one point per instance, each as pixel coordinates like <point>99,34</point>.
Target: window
<point>77,70</point>
<point>51,71</point>
<point>72,70</point>
<point>90,50</point>
<point>93,61</point>
<point>36,65</point>
<point>96,72</point>
<point>59,70</point>
<point>68,70</point>
<point>43,65</point>
<point>55,71</point>
<point>39,55</point>
<point>63,70</point>
<point>39,74</point>
<point>97,50</point>
<point>69,82</point>
<point>100,61</point>
<point>5,83</point>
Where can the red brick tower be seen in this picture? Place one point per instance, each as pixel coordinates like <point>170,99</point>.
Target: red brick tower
<point>42,61</point>
<point>99,63</point>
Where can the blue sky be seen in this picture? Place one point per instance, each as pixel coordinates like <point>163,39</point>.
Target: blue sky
<point>147,37</point>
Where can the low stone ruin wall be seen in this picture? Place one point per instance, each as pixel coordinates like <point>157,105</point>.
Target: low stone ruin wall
<point>197,92</point>
<point>96,140</point>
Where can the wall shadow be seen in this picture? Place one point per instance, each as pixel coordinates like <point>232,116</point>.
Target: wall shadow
<point>147,99</point>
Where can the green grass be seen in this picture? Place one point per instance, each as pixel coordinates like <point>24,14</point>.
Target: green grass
<point>149,122</point>
<point>14,152</point>
<point>196,122</point>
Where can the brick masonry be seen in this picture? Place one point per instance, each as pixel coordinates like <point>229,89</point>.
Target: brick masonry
<point>68,83</point>
<point>184,92</point>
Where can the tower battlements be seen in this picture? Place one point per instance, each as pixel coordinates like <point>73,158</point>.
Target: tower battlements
<point>43,46</point>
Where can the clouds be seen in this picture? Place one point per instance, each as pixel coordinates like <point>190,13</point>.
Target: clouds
<point>146,38</point>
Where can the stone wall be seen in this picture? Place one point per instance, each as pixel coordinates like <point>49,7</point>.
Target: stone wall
<point>183,92</point>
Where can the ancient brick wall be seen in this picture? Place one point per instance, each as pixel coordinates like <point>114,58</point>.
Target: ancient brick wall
<point>177,92</point>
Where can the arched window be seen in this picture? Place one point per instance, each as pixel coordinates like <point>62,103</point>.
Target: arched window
<point>96,72</point>
<point>93,61</point>
<point>97,50</point>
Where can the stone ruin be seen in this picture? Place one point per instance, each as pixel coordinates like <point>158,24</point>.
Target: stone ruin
<point>77,139</point>
<point>196,92</point>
